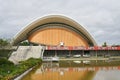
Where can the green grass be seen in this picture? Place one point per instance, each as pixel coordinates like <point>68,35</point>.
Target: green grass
<point>8,70</point>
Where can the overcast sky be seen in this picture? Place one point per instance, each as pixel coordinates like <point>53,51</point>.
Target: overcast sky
<point>100,17</point>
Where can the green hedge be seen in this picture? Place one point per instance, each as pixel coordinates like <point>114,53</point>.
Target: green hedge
<point>8,70</point>
<point>5,53</point>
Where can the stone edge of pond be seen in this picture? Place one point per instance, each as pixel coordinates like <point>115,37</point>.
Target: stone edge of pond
<point>23,74</point>
<point>20,76</point>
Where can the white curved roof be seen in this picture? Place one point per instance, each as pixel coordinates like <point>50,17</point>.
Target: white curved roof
<point>22,35</point>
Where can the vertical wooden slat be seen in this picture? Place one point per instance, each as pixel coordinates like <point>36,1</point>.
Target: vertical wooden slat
<point>53,36</point>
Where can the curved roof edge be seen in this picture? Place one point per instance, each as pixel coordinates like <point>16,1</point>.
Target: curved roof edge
<point>22,35</point>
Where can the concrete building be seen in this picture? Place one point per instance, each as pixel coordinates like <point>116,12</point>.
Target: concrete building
<point>55,30</point>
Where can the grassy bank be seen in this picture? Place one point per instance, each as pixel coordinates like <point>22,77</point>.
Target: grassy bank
<point>8,70</point>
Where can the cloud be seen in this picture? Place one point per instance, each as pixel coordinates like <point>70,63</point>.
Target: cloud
<point>100,17</point>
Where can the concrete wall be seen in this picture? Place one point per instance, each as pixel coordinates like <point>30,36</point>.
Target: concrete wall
<point>26,52</point>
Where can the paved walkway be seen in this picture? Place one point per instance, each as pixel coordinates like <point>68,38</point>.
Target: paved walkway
<point>92,58</point>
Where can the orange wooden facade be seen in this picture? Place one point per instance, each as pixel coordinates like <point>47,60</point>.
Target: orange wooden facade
<point>53,36</point>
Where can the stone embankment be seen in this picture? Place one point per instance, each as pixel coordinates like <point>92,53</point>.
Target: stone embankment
<point>26,52</point>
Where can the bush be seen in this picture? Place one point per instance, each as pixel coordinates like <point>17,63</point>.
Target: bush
<point>5,61</point>
<point>5,53</point>
<point>8,70</point>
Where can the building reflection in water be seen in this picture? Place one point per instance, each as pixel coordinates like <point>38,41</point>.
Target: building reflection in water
<point>70,70</point>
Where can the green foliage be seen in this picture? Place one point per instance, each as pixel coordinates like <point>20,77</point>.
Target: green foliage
<point>5,61</point>
<point>24,43</point>
<point>4,42</point>
<point>5,53</point>
<point>8,70</point>
<point>104,45</point>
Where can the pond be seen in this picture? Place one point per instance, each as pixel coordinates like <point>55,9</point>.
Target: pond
<point>76,70</point>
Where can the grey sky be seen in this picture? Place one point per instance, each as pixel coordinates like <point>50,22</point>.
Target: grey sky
<point>100,17</point>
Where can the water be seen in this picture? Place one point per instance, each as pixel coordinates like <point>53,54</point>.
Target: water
<point>76,70</point>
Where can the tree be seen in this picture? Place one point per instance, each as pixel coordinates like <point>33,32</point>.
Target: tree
<point>24,43</point>
<point>4,42</point>
<point>104,45</point>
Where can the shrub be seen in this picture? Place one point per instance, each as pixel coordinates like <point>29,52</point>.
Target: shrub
<point>8,70</point>
<point>5,61</point>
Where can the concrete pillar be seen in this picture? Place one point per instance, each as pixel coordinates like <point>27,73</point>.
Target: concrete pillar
<point>82,53</point>
<point>96,53</point>
<point>55,53</point>
<point>69,52</point>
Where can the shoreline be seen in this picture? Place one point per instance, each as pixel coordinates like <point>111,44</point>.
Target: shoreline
<point>63,59</point>
<point>92,58</point>
<point>23,74</point>
<point>19,77</point>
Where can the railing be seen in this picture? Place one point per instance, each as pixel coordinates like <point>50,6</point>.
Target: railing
<point>81,48</point>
